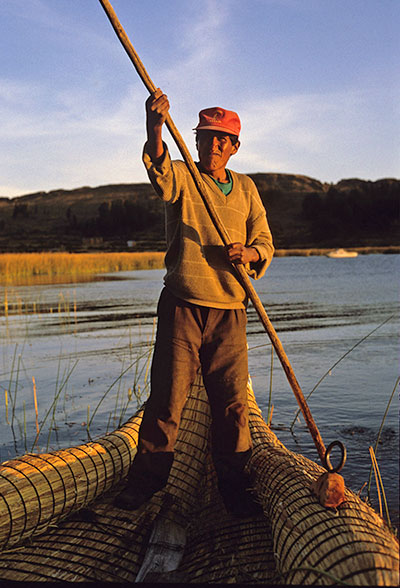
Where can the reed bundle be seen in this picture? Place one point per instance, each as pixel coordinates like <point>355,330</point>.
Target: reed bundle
<point>38,490</point>
<point>297,541</point>
<point>313,544</point>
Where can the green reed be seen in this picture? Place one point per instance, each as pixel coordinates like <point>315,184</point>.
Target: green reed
<point>136,391</point>
<point>137,385</point>
<point>13,397</point>
<point>329,371</point>
<point>53,407</point>
<point>54,402</point>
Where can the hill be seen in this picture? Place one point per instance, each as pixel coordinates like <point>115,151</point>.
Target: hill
<point>303,213</point>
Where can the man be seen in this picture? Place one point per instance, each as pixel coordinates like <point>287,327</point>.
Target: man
<point>202,308</point>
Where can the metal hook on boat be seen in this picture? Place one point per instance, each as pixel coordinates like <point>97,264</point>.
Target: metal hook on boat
<point>327,462</point>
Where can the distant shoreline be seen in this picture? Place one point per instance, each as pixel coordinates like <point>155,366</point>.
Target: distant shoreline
<point>323,251</point>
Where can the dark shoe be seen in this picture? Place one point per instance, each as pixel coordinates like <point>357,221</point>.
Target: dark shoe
<point>234,484</point>
<point>148,474</point>
<point>242,504</point>
<point>238,498</point>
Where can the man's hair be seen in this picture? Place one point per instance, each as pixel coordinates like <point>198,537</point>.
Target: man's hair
<point>234,138</point>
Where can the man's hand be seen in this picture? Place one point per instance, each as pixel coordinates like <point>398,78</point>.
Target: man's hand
<point>157,107</point>
<point>238,253</point>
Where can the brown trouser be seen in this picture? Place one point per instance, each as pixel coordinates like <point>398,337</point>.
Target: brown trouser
<point>190,337</point>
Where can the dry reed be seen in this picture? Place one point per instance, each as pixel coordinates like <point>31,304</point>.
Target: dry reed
<point>377,477</point>
<point>17,266</point>
<point>379,486</point>
<point>6,400</point>
<point>36,406</point>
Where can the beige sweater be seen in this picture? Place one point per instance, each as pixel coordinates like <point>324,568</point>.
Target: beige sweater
<point>198,269</point>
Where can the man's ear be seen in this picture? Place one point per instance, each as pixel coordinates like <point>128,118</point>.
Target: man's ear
<point>235,148</point>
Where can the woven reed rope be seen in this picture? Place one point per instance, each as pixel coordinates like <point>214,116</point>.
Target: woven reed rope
<point>38,490</point>
<point>352,543</point>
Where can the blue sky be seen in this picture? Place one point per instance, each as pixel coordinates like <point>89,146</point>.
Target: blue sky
<point>315,82</point>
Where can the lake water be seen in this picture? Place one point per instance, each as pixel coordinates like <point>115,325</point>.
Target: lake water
<point>88,345</point>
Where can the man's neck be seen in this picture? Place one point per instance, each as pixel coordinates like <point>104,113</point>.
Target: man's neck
<point>219,174</point>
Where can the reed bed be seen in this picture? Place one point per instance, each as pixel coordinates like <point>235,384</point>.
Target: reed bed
<point>17,266</point>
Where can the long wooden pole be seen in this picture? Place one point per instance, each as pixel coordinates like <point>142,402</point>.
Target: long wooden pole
<point>244,278</point>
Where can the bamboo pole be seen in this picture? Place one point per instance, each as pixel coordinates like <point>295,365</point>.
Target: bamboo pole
<point>244,278</point>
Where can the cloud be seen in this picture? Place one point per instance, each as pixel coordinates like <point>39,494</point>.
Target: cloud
<point>201,52</point>
<point>15,92</point>
<point>58,19</point>
<point>86,126</point>
<point>61,136</point>
<point>71,141</point>
<point>327,135</point>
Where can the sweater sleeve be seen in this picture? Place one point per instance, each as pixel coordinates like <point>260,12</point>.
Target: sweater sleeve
<point>162,175</point>
<point>258,235</point>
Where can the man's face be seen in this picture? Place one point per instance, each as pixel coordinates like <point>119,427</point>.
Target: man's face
<point>214,149</point>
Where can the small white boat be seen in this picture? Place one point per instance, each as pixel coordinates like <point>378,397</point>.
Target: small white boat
<point>339,253</point>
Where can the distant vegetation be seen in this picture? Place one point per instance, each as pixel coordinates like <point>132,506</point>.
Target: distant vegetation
<point>16,267</point>
<point>366,208</point>
<point>302,212</point>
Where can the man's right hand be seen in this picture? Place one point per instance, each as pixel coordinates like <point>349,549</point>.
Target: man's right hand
<point>157,107</point>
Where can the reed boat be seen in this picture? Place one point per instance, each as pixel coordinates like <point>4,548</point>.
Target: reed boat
<point>58,522</point>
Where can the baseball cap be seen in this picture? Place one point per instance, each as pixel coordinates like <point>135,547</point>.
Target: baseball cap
<point>219,119</point>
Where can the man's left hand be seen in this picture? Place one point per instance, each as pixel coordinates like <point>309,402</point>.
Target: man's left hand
<point>238,253</point>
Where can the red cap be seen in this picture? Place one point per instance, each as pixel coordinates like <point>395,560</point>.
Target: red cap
<point>219,119</point>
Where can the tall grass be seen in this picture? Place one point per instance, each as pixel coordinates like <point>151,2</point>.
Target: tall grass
<point>17,266</point>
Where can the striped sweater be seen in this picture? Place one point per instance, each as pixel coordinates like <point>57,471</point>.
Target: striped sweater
<point>198,269</point>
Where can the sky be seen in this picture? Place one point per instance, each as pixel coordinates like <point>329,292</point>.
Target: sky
<point>315,83</point>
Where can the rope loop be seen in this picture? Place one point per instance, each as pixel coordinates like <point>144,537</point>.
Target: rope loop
<point>327,462</point>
